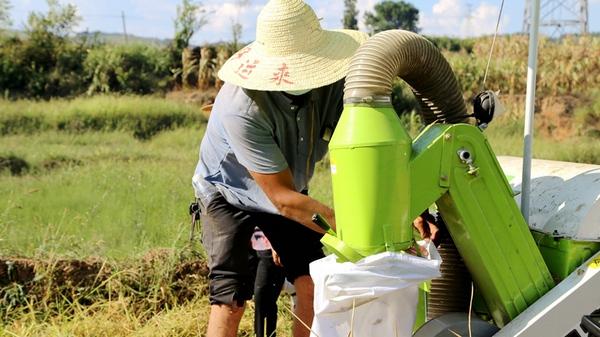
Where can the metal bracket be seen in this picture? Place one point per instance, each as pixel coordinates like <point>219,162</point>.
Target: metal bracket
<point>466,157</point>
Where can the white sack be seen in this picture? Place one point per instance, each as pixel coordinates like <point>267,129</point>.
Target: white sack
<point>374,297</point>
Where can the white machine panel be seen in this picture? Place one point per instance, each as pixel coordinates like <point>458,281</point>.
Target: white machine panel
<point>560,310</point>
<point>565,197</point>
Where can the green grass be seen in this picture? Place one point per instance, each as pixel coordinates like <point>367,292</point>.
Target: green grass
<point>143,117</point>
<point>123,197</point>
<point>506,138</point>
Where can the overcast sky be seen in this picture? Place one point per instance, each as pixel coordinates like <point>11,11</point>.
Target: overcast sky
<point>154,18</point>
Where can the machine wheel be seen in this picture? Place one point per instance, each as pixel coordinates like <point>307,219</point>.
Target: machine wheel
<point>456,324</point>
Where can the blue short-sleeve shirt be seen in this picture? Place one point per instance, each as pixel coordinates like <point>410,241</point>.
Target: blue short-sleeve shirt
<point>264,132</point>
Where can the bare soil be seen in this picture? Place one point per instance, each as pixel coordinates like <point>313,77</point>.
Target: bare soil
<point>556,116</point>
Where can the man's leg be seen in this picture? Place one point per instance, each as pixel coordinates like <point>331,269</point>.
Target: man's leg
<point>297,246</point>
<point>304,310</point>
<point>224,320</point>
<point>226,232</point>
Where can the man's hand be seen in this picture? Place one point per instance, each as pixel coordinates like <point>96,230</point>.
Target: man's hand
<point>276,258</point>
<point>425,224</point>
<point>279,187</point>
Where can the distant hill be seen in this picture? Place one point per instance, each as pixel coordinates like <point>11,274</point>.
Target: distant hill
<point>118,38</point>
<point>110,38</point>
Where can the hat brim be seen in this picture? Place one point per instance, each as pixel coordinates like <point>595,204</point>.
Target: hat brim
<point>253,68</point>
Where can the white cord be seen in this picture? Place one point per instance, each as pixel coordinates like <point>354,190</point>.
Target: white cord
<point>487,67</point>
<point>471,307</point>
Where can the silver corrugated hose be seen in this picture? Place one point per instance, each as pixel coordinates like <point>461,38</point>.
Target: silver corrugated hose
<point>418,62</point>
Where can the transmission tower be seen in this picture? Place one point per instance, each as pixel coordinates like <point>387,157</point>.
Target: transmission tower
<point>558,17</point>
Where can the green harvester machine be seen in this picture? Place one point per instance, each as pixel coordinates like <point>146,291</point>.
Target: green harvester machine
<point>528,282</point>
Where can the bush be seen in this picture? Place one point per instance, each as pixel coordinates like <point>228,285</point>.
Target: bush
<point>13,164</point>
<point>137,68</point>
<point>12,72</point>
<point>47,63</point>
<point>37,68</point>
<point>56,162</point>
<point>403,99</point>
<point>15,122</point>
<point>588,116</point>
<point>452,44</point>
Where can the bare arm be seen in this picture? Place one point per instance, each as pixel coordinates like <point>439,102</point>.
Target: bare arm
<point>279,187</point>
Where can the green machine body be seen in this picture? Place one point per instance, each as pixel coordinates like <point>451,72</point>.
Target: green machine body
<point>370,177</point>
<point>382,180</point>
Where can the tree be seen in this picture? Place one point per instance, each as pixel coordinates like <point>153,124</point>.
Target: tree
<point>236,35</point>
<point>236,26</point>
<point>392,15</point>
<point>51,61</point>
<point>4,15</point>
<point>59,22</point>
<point>350,13</point>
<point>191,16</point>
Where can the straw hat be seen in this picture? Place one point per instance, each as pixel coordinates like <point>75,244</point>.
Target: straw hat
<point>291,51</point>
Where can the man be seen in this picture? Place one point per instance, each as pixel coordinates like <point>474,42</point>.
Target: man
<point>269,126</point>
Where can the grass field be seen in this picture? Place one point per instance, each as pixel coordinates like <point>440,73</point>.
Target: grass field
<point>506,138</point>
<point>108,194</point>
<point>100,194</point>
<point>141,116</point>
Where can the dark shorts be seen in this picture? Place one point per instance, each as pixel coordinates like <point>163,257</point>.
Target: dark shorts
<point>226,232</point>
